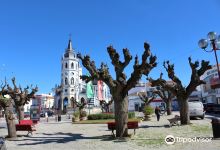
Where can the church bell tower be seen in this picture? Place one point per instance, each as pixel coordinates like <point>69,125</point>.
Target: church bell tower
<point>70,76</point>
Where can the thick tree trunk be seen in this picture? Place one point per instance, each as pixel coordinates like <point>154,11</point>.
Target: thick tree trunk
<point>9,116</point>
<point>20,111</point>
<point>184,111</point>
<point>107,110</point>
<point>168,103</point>
<point>121,116</point>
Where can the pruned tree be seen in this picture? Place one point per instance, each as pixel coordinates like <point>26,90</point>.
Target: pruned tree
<point>81,105</point>
<point>166,96</point>
<point>7,105</point>
<point>21,97</point>
<point>105,105</point>
<point>119,86</point>
<point>57,97</point>
<point>145,98</point>
<point>178,89</point>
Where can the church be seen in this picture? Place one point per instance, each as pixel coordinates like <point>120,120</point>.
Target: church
<point>73,87</point>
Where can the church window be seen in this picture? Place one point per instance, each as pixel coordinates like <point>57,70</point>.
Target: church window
<point>72,65</point>
<point>66,81</point>
<point>72,80</point>
<point>66,65</point>
<point>65,90</point>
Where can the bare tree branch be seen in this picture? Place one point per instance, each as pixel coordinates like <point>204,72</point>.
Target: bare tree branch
<point>99,74</point>
<point>143,68</point>
<point>195,75</point>
<point>164,84</point>
<point>119,66</point>
<point>171,74</point>
<point>204,67</point>
<point>146,99</point>
<point>80,105</point>
<point>4,102</point>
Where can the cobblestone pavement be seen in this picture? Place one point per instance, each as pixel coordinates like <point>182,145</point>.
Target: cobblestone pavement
<point>67,136</point>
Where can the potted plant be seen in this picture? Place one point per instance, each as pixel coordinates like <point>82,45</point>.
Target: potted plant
<point>75,117</point>
<point>148,111</point>
<point>83,115</point>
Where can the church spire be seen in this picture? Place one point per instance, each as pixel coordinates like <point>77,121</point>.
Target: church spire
<point>70,43</point>
<point>69,50</point>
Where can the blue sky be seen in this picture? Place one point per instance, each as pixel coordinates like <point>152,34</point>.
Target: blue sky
<point>35,33</point>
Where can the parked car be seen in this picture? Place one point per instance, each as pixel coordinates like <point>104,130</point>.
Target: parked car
<point>42,114</point>
<point>209,107</point>
<point>212,108</point>
<point>49,113</point>
<point>196,109</point>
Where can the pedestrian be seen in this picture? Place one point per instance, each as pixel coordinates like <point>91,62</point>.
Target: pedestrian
<point>46,116</point>
<point>157,112</point>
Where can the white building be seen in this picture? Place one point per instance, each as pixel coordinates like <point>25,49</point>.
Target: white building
<point>44,101</point>
<point>210,95</point>
<point>71,71</point>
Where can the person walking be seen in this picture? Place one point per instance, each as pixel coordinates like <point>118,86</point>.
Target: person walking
<point>46,116</point>
<point>157,112</point>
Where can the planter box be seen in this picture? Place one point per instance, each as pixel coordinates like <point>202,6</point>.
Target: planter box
<point>83,118</point>
<point>75,119</point>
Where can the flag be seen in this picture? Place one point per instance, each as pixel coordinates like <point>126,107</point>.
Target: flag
<point>100,90</point>
<point>89,89</point>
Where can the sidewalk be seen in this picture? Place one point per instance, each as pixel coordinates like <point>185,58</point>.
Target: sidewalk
<point>65,136</point>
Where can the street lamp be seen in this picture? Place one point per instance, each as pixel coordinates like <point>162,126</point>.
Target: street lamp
<point>214,42</point>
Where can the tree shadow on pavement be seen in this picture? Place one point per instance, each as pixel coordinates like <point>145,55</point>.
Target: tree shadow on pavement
<point>60,137</point>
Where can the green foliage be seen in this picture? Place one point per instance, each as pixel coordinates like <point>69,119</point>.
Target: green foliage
<point>131,115</point>
<point>100,116</point>
<point>4,101</point>
<point>104,116</point>
<point>76,114</point>
<point>148,110</point>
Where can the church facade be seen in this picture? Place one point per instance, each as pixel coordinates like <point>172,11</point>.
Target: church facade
<point>73,87</point>
<point>71,71</point>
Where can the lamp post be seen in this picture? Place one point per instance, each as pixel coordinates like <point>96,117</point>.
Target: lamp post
<point>214,41</point>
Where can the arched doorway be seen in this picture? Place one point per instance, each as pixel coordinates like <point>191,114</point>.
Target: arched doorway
<point>65,104</point>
